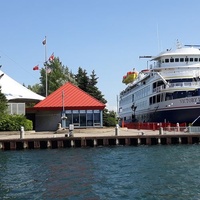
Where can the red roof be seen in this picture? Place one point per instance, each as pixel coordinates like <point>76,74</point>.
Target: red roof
<point>72,97</point>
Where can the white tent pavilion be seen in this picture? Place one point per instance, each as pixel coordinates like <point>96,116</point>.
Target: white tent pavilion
<point>16,92</point>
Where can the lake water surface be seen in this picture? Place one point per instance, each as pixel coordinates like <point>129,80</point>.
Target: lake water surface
<point>143,172</point>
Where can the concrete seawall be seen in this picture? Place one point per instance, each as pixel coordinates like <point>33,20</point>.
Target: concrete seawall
<point>93,138</point>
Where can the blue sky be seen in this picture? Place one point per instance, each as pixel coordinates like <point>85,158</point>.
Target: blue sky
<point>107,36</point>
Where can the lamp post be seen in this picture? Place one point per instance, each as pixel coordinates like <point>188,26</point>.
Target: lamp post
<point>63,118</point>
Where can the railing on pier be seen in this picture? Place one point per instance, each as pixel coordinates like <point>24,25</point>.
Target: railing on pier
<point>155,126</point>
<point>167,127</point>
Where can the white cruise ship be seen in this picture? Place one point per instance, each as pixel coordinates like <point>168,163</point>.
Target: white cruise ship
<point>169,91</point>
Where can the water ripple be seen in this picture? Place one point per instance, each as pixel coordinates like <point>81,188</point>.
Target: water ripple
<point>145,172</point>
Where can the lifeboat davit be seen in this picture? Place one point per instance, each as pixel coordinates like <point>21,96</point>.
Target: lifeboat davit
<point>145,71</point>
<point>129,77</point>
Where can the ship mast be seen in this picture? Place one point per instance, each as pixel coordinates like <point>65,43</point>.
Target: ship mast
<point>147,60</point>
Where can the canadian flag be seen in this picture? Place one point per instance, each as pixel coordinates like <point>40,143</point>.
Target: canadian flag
<point>51,58</point>
<point>36,67</point>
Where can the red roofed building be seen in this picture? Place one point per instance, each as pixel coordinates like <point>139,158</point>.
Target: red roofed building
<point>68,105</point>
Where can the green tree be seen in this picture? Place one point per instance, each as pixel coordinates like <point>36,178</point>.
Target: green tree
<point>93,89</point>
<point>57,75</point>
<point>37,88</point>
<point>82,79</point>
<point>88,84</point>
<point>109,118</point>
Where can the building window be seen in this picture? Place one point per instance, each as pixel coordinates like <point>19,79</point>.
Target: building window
<point>76,121</point>
<point>97,118</point>
<point>69,118</point>
<point>16,108</point>
<point>89,118</point>
<point>82,118</point>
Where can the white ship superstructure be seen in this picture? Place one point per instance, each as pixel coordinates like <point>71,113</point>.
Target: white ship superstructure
<point>167,92</point>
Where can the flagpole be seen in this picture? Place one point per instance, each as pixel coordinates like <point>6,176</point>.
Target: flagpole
<point>45,62</point>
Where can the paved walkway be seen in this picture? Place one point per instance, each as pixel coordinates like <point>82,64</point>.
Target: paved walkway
<point>82,133</point>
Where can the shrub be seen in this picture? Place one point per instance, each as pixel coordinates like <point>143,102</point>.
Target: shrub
<point>14,123</point>
<point>110,121</point>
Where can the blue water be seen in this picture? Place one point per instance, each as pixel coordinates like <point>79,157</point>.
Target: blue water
<point>144,172</point>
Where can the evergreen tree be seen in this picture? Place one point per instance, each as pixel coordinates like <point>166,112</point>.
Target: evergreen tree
<point>37,88</point>
<point>82,79</point>
<point>93,89</point>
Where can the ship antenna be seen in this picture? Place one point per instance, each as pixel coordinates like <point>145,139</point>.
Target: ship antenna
<point>178,44</point>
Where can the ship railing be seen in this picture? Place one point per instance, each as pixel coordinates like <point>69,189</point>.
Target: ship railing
<point>193,129</point>
<point>168,128</point>
<point>156,126</point>
<point>175,130</point>
<point>177,85</point>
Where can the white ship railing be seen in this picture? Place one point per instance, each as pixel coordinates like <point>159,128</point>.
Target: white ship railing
<point>180,130</point>
<point>175,130</point>
<point>193,129</point>
<point>177,85</point>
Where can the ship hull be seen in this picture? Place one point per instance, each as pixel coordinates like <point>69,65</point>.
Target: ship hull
<point>173,116</point>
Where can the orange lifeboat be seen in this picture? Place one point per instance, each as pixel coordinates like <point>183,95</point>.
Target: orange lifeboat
<point>129,77</point>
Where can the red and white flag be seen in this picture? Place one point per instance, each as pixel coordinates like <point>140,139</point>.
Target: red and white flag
<point>51,58</point>
<point>36,67</point>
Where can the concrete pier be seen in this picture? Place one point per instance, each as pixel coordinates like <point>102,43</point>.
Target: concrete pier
<point>70,142</point>
<point>94,138</point>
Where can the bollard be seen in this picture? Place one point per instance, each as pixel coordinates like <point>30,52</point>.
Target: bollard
<point>71,128</point>
<point>21,132</point>
<point>161,131</point>
<point>59,126</point>
<point>117,129</point>
<point>178,127</point>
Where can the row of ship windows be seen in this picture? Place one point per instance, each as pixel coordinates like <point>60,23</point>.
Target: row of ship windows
<point>169,96</point>
<point>141,93</point>
<point>165,97</point>
<point>186,59</point>
<point>138,95</point>
<point>139,105</point>
<point>142,104</point>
